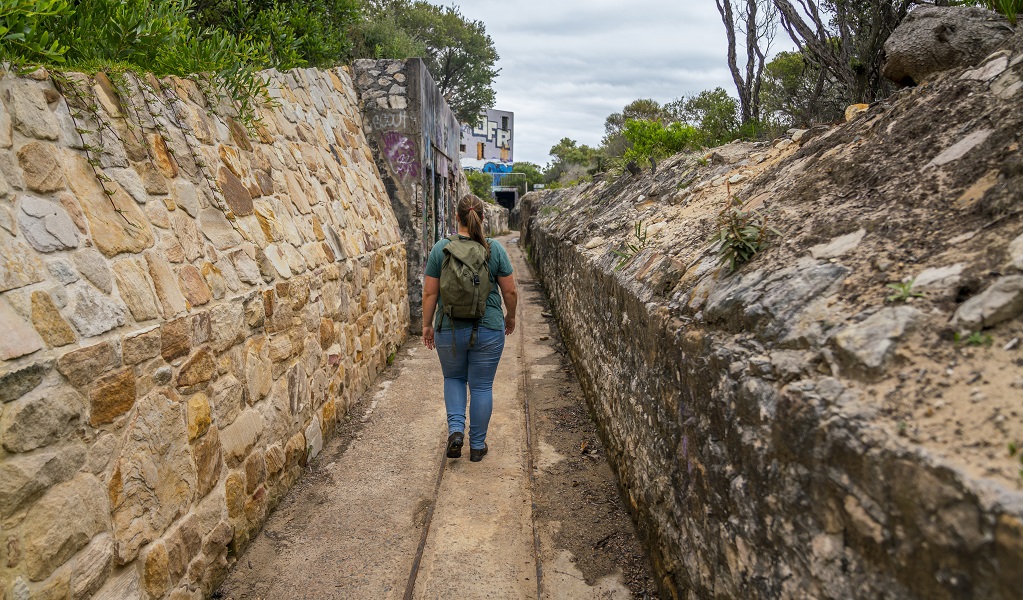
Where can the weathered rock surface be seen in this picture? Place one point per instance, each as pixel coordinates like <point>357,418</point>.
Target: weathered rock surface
<point>40,167</point>
<point>838,246</point>
<point>868,346</point>
<point>933,39</point>
<point>30,114</point>
<point>19,337</point>
<point>95,268</point>
<point>91,312</point>
<point>17,381</point>
<point>1016,253</point>
<point>1000,302</point>
<point>47,320</point>
<point>154,476</point>
<point>25,477</point>
<point>132,279</point>
<point>19,266</point>
<point>86,364</point>
<point>40,419</point>
<point>116,223</point>
<point>46,225</point>
<point>112,396</point>
<point>62,522</point>
<point>92,567</point>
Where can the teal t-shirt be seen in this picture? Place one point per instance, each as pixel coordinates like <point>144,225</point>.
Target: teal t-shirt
<point>500,266</point>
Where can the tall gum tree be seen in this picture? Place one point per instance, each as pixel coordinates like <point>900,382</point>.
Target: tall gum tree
<point>756,22</point>
<point>459,54</point>
<point>845,38</point>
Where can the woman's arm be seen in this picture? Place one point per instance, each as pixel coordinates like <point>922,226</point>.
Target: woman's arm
<point>511,299</point>
<point>431,290</point>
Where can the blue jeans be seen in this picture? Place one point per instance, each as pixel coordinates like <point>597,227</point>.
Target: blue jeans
<point>474,367</point>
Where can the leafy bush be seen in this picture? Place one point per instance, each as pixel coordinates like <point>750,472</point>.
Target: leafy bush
<point>799,93</point>
<point>23,37</point>
<point>154,36</point>
<point>311,32</point>
<point>742,235</point>
<point>713,112</point>
<point>1010,9</point>
<point>479,184</point>
<point>532,174</point>
<point>571,162</point>
<point>903,291</point>
<point>379,35</point>
<point>653,140</point>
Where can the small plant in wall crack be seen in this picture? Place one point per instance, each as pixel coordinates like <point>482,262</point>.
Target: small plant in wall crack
<point>977,338</point>
<point>741,234</point>
<point>903,291</point>
<point>630,250</point>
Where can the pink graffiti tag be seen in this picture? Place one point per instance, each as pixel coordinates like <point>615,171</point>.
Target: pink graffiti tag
<point>401,153</point>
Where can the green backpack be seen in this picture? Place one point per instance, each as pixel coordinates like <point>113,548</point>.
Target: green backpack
<point>465,281</point>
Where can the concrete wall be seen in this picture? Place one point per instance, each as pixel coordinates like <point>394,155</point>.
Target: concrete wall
<point>189,308</point>
<point>415,139</point>
<point>494,134</point>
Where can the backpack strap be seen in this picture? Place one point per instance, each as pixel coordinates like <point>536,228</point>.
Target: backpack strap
<point>440,326</point>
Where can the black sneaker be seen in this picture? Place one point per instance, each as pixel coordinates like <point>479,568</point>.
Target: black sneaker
<point>455,441</point>
<point>477,455</point>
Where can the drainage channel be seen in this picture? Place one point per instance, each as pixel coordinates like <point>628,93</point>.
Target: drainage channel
<point>410,587</point>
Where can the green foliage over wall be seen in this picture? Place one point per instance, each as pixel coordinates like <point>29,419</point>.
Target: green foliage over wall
<point>654,140</point>
<point>298,33</point>
<point>479,184</point>
<point>233,39</point>
<point>713,112</point>
<point>154,36</point>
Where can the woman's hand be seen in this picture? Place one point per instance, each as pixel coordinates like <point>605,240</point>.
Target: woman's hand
<point>509,325</point>
<point>428,337</point>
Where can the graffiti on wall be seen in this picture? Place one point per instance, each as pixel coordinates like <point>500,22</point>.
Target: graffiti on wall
<point>489,142</point>
<point>401,154</point>
<point>391,120</point>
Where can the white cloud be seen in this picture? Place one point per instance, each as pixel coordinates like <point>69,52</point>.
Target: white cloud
<point>566,65</point>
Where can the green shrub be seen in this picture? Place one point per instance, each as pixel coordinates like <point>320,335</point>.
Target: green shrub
<point>977,338</point>
<point>742,235</point>
<point>155,36</point>
<point>480,183</point>
<point>23,35</point>
<point>652,139</point>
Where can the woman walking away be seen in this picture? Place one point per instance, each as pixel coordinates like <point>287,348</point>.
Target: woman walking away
<point>466,277</point>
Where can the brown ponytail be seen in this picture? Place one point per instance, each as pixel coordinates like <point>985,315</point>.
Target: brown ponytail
<point>470,214</point>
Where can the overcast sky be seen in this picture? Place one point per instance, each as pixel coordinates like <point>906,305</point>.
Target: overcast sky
<point>567,64</point>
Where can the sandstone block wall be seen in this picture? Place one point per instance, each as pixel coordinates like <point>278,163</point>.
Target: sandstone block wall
<point>188,305</point>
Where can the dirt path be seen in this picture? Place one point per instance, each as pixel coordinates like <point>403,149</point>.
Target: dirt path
<point>539,517</point>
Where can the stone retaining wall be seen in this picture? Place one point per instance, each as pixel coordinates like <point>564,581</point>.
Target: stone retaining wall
<point>189,306</point>
<point>752,470</point>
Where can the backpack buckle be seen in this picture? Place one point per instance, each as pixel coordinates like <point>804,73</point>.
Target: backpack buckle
<point>475,279</point>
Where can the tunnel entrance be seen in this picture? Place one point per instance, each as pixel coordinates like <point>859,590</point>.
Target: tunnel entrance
<point>506,197</point>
